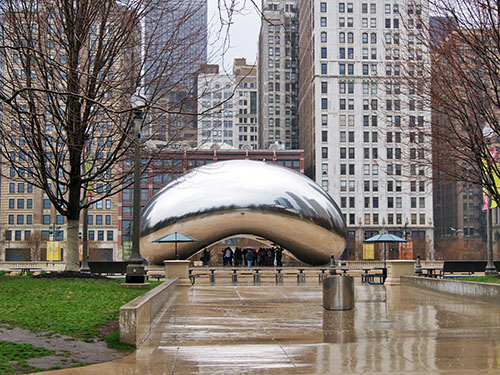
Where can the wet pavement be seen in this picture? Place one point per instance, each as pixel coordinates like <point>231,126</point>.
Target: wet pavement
<point>271,329</point>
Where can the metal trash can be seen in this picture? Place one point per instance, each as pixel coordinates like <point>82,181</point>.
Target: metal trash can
<point>135,274</point>
<point>338,293</point>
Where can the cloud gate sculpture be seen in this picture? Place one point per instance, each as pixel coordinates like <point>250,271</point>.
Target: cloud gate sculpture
<point>243,197</point>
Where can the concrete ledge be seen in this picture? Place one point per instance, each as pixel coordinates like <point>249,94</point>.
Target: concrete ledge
<point>484,292</point>
<point>138,317</point>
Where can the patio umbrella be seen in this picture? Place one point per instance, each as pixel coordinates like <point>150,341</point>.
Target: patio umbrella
<point>384,238</point>
<point>175,238</point>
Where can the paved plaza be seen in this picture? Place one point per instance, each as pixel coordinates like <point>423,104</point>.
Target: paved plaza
<point>272,329</point>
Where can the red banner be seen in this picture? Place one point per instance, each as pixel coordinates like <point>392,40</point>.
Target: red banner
<point>406,250</point>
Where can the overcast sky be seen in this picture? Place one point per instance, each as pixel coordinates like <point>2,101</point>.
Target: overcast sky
<point>244,33</point>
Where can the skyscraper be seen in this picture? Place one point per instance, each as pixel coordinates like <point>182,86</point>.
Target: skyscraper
<point>362,126</point>
<point>175,44</point>
<point>278,74</point>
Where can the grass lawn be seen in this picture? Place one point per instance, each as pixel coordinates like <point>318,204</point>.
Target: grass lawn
<point>481,279</point>
<point>13,357</point>
<point>73,307</point>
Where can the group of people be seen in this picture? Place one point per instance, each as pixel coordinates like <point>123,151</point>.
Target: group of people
<point>248,256</point>
<point>252,257</point>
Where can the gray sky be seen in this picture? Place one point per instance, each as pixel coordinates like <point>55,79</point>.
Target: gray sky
<point>243,36</point>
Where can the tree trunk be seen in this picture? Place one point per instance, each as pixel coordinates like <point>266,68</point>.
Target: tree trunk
<point>71,251</point>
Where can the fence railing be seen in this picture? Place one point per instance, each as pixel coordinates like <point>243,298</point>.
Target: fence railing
<point>42,265</point>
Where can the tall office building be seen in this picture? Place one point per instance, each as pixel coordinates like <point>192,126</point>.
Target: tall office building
<point>175,44</point>
<point>363,127</point>
<point>245,104</point>
<point>278,74</point>
<point>228,107</point>
<point>174,48</point>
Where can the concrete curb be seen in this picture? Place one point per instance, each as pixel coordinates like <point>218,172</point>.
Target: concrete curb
<point>138,317</point>
<point>484,292</point>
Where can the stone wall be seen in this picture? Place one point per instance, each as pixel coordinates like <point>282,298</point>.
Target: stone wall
<point>484,292</point>
<point>138,317</point>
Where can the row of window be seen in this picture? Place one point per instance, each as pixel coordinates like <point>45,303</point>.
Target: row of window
<point>20,187</point>
<point>373,219</point>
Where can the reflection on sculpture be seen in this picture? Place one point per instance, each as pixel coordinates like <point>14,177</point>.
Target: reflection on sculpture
<point>233,197</point>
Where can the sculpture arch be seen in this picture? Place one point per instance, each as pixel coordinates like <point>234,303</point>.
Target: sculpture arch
<point>223,199</point>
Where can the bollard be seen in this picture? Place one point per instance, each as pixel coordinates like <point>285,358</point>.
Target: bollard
<point>234,277</point>
<point>212,277</point>
<point>321,276</point>
<point>418,267</point>
<point>301,277</point>
<point>338,293</point>
<point>279,277</point>
<point>256,277</point>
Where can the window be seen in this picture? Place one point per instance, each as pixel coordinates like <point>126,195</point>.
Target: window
<point>324,38</point>
<point>46,219</point>
<point>109,235</point>
<point>341,7</point>
<point>341,37</point>
<point>323,21</point>
<point>20,219</point>
<point>322,7</point>
<point>29,203</point>
<point>100,235</point>
<point>323,69</point>
<point>59,219</point>
<point>323,52</point>
<point>20,203</point>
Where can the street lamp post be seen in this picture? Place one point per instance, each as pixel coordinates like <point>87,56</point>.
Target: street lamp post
<point>135,268</point>
<point>490,266</point>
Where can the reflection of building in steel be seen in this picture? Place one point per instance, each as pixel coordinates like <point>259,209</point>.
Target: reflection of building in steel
<point>168,165</point>
<point>217,201</point>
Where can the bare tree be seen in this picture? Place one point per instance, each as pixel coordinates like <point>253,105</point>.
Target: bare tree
<point>464,40</point>
<point>69,69</point>
<point>35,242</point>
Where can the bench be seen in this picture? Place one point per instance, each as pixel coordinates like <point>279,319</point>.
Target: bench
<point>156,276</point>
<point>108,268</point>
<point>375,278</point>
<point>468,267</point>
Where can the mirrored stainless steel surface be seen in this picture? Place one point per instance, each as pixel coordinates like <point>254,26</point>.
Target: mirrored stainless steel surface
<point>233,197</point>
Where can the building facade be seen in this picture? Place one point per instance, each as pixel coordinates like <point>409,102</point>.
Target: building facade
<point>227,107</point>
<point>363,128</point>
<point>278,75</point>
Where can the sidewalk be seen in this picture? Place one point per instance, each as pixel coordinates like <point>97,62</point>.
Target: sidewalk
<point>285,330</point>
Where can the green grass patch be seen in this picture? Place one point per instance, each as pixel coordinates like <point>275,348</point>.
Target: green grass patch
<point>481,279</point>
<point>13,356</point>
<point>113,341</point>
<point>73,307</point>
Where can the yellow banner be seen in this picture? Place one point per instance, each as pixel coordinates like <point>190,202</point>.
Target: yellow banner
<point>368,251</point>
<point>496,178</point>
<point>53,250</point>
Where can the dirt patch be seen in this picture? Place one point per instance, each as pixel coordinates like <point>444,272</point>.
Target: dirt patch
<point>70,352</point>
